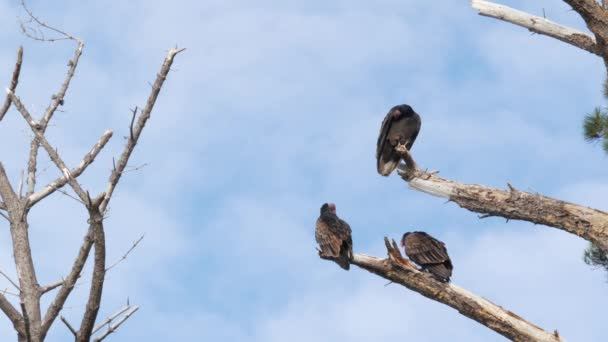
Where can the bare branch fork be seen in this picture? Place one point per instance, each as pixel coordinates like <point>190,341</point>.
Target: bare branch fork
<point>400,271</point>
<point>30,325</point>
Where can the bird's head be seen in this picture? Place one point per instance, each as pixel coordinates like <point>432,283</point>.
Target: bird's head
<point>403,238</point>
<point>405,110</point>
<point>328,207</point>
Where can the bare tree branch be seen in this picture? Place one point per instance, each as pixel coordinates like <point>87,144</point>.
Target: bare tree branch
<point>44,25</point>
<point>13,315</point>
<point>68,285</point>
<point>399,270</point>
<point>99,273</point>
<point>135,132</point>
<point>58,99</point>
<point>28,284</point>
<point>75,172</point>
<point>51,287</point>
<point>70,327</point>
<point>10,280</point>
<point>14,82</point>
<point>538,25</point>
<point>6,189</point>
<point>135,243</point>
<point>111,318</point>
<point>590,224</point>
<point>49,149</point>
<point>112,328</point>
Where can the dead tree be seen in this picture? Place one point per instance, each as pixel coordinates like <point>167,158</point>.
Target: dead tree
<point>30,320</point>
<point>512,204</point>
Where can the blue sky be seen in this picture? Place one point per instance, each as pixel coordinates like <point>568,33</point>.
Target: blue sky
<point>273,110</point>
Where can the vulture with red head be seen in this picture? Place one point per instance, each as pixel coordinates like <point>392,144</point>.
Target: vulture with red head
<point>399,128</point>
<point>334,237</point>
<point>429,253</point>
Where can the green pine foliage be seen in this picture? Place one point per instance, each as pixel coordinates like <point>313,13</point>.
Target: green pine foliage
<point>595,129</point>
<point>595,124</point>
<point>596,257</point>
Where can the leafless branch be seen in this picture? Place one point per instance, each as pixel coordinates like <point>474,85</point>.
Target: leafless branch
<point>49,149</point>
<point>68,285</point>
<point>75,172</point>
<point>99,273</point>
<point>51,287</point>
<point>111,318</point>
<point>67,324</point>
<point>399,270</point>
<point>42,24</point>
<point>6,190</point>
<point>537,24</point>
<point>10,280</point>
<point>14,82</point>
<point>135,243</point>
<point>57,99</point>
<point>13,315</point>
<point>590,224</point>
<point>136,131</point>
<point>20,187</point>
<point>115,326</point>
<point>132,122</point>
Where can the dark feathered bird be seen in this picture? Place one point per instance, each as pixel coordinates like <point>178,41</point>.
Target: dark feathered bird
<point>429,253</point>
<point>400,127</point>
<point>334,237</point>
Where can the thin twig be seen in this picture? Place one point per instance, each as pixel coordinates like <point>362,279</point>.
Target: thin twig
<point>132,121</point>
<point>135,243</point>
<point>10,280</point>
<point>111,318</point>
<point>115,326</point>
<point>14,82</point>
<point>51,287</point>
<point>45,25</point>
<point>67,324</point>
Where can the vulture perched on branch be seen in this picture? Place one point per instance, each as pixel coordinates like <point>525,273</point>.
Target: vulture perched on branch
<point>334,237</point>
<point>399,128</point>
<point>429,253</point>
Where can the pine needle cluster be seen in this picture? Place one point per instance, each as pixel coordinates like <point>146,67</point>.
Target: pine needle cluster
<point>595,127</point>
<point>595,256</point>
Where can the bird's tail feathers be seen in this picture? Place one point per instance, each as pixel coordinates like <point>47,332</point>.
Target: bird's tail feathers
<point>385,168</point>
<point>440,272</point>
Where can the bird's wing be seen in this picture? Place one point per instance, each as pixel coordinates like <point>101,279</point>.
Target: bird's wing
<point>418,123</point>
<point>328,241</point>
<point>384,129</point>
<point>424,249</point>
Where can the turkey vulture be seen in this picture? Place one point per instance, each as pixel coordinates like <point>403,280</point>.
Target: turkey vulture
<point>400,127</point>
<point>429,253</point>
<point>334,237</point>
